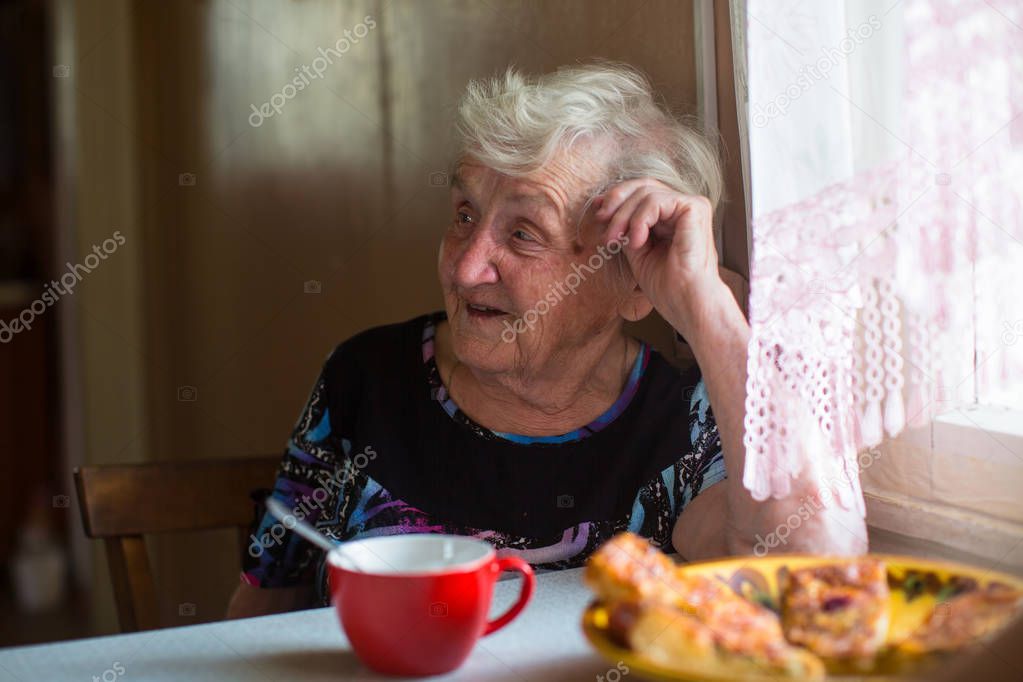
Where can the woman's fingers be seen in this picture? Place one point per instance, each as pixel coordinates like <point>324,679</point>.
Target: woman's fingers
<point>618,226</point>
<point>644,207</point>
<point>614,197</point>
<point>650,211</point>
<point>642,212</point>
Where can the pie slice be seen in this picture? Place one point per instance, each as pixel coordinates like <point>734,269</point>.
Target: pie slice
<point>964,619</point>
<point>839,610</point>
<point>679,641</point>
<point>685,621</point>
<point>628,568</point>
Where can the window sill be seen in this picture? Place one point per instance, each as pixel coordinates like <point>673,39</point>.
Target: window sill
<point>977,461</point>
<point>958,489</point>
<point>907,524</point>
<point>994,433</point>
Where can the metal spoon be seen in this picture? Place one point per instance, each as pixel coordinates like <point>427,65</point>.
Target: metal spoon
<point>307,531</point>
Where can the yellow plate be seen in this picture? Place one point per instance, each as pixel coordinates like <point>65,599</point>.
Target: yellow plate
<point>916,586</point>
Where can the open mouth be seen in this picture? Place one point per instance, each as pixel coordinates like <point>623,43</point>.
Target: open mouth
<point>483,312</point>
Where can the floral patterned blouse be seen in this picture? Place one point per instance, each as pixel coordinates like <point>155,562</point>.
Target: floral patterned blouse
<point>381,449</point>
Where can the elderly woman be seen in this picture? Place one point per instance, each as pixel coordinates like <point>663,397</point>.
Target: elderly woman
<point>523,414</point>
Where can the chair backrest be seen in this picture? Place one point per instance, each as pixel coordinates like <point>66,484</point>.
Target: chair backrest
<point>122,503</point>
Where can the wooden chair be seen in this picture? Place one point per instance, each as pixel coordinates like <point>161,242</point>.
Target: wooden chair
<point>122,503</point>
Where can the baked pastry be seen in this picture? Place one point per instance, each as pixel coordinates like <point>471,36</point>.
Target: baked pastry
<point>676,640</point>
<point>628,568</point>
<point>839,610</point>
<point>685,621</point>
<point>964,619</point>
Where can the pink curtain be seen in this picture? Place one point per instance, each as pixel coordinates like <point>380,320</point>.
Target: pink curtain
<point>885,283</point>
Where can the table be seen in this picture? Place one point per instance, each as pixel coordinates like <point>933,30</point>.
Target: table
<point>544,644</point>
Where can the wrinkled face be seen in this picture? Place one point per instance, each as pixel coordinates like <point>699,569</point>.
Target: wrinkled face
<point>513,298</point>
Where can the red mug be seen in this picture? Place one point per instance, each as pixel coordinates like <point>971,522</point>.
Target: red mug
<point>415,604</point>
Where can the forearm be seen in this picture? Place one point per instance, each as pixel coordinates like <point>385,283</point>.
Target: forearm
<point>248,601</point>
<point>718,334</point>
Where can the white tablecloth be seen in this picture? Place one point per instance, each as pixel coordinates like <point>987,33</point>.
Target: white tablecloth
<point>545,643</point>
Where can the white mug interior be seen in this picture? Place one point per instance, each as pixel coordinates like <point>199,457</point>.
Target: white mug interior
<point>411,554</point>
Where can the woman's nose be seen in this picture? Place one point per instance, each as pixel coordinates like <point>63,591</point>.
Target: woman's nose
<point>476,264</point>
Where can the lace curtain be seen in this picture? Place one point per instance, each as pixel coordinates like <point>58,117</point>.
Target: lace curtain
<point>884,160</point>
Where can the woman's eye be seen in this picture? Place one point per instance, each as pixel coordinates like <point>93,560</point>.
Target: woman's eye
<point>463,218</point>
<point>522,235</point>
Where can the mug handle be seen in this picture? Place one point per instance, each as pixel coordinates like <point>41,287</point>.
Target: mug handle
<point>512,563</point>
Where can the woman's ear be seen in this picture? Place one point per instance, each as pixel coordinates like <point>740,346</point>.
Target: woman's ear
<point>634,306</point>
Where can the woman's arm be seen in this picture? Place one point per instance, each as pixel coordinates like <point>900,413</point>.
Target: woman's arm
<point>278,566</point>
<point>714,326</point>
<point>671,254</point>
<point>248,601</point>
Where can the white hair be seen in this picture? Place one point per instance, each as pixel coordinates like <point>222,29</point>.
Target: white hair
<point>516,124</point>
